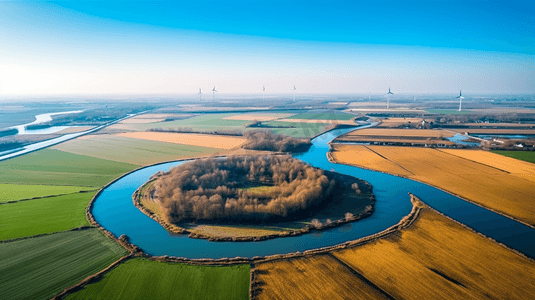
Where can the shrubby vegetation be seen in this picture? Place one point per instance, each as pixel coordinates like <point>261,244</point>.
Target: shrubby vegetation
<point>8,132</point>
<point>266,140</point>
<point>220,189</point>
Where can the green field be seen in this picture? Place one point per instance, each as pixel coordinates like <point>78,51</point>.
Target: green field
<point>39,268</point>
<point>145,279</point>
<point>132,151</point>
<point>300,130</point>
<point>332,115</point>
<point>447,111</point>
<point>528,156</point>
<point>12,192</point>
<point>53,167</point>
<point>33,217</point>
<point>201,123</point>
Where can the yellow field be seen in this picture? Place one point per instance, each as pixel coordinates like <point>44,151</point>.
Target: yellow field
<point>488,185</point>
<point>204,140</point>
<point>500,125</point>
<point>316,277</point>
<point>364,157</point>
<point>424,133</point>
<point>437,258</point>
<point>516,167</point>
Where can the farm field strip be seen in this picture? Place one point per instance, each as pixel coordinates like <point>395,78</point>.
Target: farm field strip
<point>41,216</point>
<point>258,116</point>
<point>523,169</point>
<point>132,150</point>
<point>323,116</point>
<point>509,194</point>
<point>496,131</point>
<point>400,133</point>
<point>299,130</point>
<point>12,192</point>
<point>54,167</point>
<point>311,277</point>
<point>207,122</point>
<point>521,155</point>
<point>366,158</point>
<point>320,121</point>
<point>437,258</point>
<point>41,267</point>
<point>145,279</point>
<point>204,140</point>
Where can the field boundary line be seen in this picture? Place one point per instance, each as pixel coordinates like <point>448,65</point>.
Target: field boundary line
<point>83,227</point>
<point>48,196</point>
<point>361,277</point>
<point>91,278</point>
<point>496,168</point>
<point>387,159</point>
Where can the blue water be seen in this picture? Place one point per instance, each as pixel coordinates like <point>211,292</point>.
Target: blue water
<point>114,210</point>
<point>460,139</point>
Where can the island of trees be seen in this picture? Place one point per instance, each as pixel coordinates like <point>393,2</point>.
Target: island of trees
<point>248,189</point>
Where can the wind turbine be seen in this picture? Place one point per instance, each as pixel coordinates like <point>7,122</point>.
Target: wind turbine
<point>460,99</point>
<point>213,93</point>
<point>294,92</point>
<point>200,94</point>
<point>388,98</point>
<point>263,93</point>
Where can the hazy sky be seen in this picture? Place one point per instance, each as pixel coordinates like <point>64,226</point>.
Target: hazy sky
<point>153,47</point>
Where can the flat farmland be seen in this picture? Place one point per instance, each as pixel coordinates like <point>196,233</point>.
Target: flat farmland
<point>144,279</point>
<point>400,133</point>
<point>203,140</point>
<point>395,122</point>
<point>437,258</point>
<point>521,155</point>
<point>496,131</point>
<point>54,167</point>
<point>258,116</point>
<point>513,166</point>
<point>33,217</point>
<point>200,123</point>
<point>488,185</point>
<point>346,122</point>
<point>313,277</point>
<point>12,192</point>
<point>39,268</point>
<point>364,157</point>
<point>298,130</point>
<point>332,115</point>
<point>132,151</point>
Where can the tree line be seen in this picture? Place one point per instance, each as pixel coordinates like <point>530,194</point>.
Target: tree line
<point>266,140</point>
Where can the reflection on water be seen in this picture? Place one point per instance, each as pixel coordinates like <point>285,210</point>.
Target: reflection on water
<point>114,210</point>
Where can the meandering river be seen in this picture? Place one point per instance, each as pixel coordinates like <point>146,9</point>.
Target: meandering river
<point>114,210</point>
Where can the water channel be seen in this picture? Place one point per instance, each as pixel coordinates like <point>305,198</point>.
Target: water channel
<point>114,210</point>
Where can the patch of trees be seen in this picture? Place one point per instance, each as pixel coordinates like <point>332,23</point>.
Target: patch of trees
<point>9,144</point>
<point>266,140</point>
<point>216,189</point>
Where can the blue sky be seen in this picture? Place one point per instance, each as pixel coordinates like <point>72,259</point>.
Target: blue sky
<point>155,47</point>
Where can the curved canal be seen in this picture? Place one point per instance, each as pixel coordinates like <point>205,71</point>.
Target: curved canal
<point>114,210</point>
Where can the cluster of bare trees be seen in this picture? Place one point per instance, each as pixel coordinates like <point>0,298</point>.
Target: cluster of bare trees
<point>266,140</point>
<point>216,189</point>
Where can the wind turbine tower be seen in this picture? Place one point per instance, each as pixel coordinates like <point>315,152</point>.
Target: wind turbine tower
<point>263,93</point>
<point>388,98</point>
<point>295,90</point>
<point>200,94</point>
<point>460,99</point>
<point>213,93</point>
